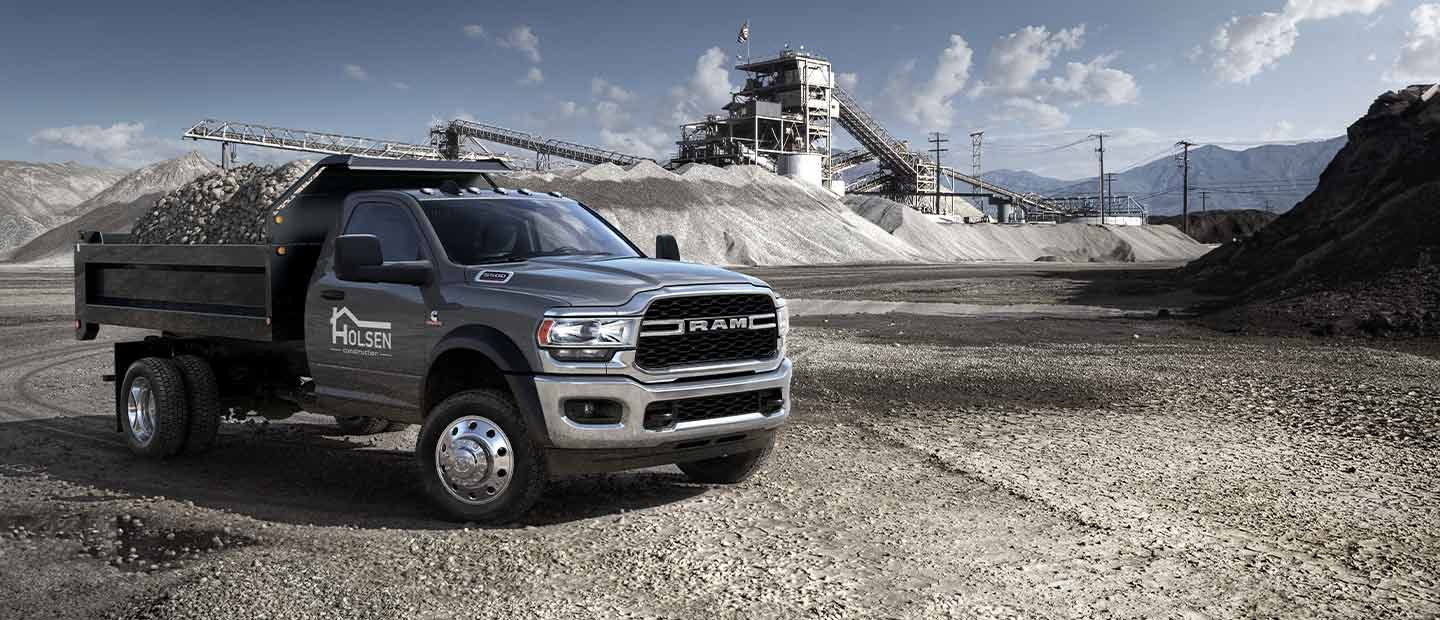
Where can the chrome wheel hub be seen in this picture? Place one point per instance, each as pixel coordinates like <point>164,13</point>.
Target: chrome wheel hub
<point>474,460</point>
<point>140,409</point>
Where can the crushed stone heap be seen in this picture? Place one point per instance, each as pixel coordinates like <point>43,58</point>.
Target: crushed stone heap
<point>1361,254</point>
<point>226,206</point>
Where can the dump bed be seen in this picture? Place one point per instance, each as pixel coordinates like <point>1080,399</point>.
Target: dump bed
<point>249,292</point>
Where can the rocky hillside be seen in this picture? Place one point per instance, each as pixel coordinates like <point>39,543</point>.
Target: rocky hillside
<point>55,245</point>
<point>157,177</point>
<point>110,208</point>
<point>1220,226</point>
<point>35,197</point>
<point>1362,253</point>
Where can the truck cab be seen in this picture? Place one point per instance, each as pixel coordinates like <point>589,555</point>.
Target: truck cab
<point>525,335</point>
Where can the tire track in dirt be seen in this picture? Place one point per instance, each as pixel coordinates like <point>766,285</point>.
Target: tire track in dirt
<point>65,422</point>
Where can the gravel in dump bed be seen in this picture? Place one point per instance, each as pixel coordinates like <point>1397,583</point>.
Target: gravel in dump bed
<point>224,207</point>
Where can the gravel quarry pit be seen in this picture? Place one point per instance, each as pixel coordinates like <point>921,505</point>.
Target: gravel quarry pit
<point>990,466</point>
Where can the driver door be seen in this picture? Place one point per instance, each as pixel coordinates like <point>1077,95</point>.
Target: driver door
<point>368,342</point>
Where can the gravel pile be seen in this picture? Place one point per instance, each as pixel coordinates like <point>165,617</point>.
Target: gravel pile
<point>1360,255</point>
<point>224,207</point>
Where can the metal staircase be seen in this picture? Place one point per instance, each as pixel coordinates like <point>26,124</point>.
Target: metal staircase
<point>446,139</point>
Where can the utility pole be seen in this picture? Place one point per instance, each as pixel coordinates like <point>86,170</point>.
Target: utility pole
<point>1185,184</point>
<point>937,139</point>
<point>1101,197</point>
<point>1203,195</point>
<point>975,139</point>
<point>1109,190</point>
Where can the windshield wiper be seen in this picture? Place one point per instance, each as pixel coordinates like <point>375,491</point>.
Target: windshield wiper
<point>569,253</point>
<point>500,258</point>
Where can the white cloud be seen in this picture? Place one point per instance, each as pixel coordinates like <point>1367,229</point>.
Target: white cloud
<point>602,89</point>
<point>931,105</point>
<point>1419,58</point>
<point>400,85</point>
<point>1283,130</point>
<point>522,39</point>
<point>1246,45</point>
<point>1031,113</point>
<point>645,141</point>
<point>1372,57</point>
<point>122,144</point>
<point>847,81</point>
<point>1095,82</point>
<point>533,77</point>
<point>1018,57</point>
<point>708,88</point>
<point>570,109</point>
<point>474,31</point>
<point>1016,63</point>
<point>355,72</point>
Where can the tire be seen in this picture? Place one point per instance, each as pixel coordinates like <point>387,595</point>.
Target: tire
<point>204,401</point>
<point>731,469</point>
<point>361,425</point>
<point>511,473</point>
<point>153,409</point>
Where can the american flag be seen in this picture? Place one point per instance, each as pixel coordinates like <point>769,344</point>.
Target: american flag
<point>744,33</point>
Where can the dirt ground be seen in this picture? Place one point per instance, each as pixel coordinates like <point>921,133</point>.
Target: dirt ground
<point>1069,454</point>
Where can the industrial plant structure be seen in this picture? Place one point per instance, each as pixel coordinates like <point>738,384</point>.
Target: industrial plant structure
<point>783,118</point>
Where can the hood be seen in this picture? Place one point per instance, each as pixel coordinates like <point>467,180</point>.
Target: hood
<point>602,282</point>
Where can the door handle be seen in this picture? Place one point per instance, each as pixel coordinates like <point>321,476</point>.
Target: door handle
<point>332,295</point>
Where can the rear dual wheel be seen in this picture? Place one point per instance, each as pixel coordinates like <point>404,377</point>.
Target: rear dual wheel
<point>170,406</point>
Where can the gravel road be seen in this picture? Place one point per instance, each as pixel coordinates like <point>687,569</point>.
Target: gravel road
<point>937,466</point>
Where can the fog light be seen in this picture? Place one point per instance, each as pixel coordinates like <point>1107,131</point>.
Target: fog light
<point>587,411</point>
<point>582,355</point>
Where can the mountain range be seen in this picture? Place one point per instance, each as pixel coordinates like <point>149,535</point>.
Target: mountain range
<point>1272,177</point>
<point>35,197</point>
<point>40,198</point>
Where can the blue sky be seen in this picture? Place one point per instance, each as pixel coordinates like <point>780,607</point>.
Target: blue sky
<point>116,83</point>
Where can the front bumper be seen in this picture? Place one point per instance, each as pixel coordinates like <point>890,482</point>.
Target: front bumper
<point>634,396</point>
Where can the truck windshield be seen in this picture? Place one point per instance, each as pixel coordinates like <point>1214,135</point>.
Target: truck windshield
<point>510,229</point>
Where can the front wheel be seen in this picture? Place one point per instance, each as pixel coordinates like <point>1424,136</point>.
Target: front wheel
<point>477,460</point>
<point>731,469</point>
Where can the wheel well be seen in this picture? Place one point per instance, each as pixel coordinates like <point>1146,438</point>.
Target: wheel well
<point>458,370</point>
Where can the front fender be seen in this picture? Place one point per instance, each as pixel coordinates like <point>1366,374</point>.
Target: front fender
<point>495,346</point>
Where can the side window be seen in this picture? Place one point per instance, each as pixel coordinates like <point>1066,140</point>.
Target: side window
<point>399,240</point>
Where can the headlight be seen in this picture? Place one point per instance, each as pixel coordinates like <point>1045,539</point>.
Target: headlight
<point>607,333</point>
<point>782,317</point>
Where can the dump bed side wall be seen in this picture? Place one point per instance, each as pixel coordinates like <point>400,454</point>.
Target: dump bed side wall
<point>201,290</point>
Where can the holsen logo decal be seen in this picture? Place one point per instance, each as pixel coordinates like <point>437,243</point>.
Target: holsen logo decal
<point>346,329</point>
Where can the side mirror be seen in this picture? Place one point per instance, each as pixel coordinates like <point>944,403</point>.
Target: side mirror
<point>353,253</point>
<point>666,247</point>
<point>358,258</point>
